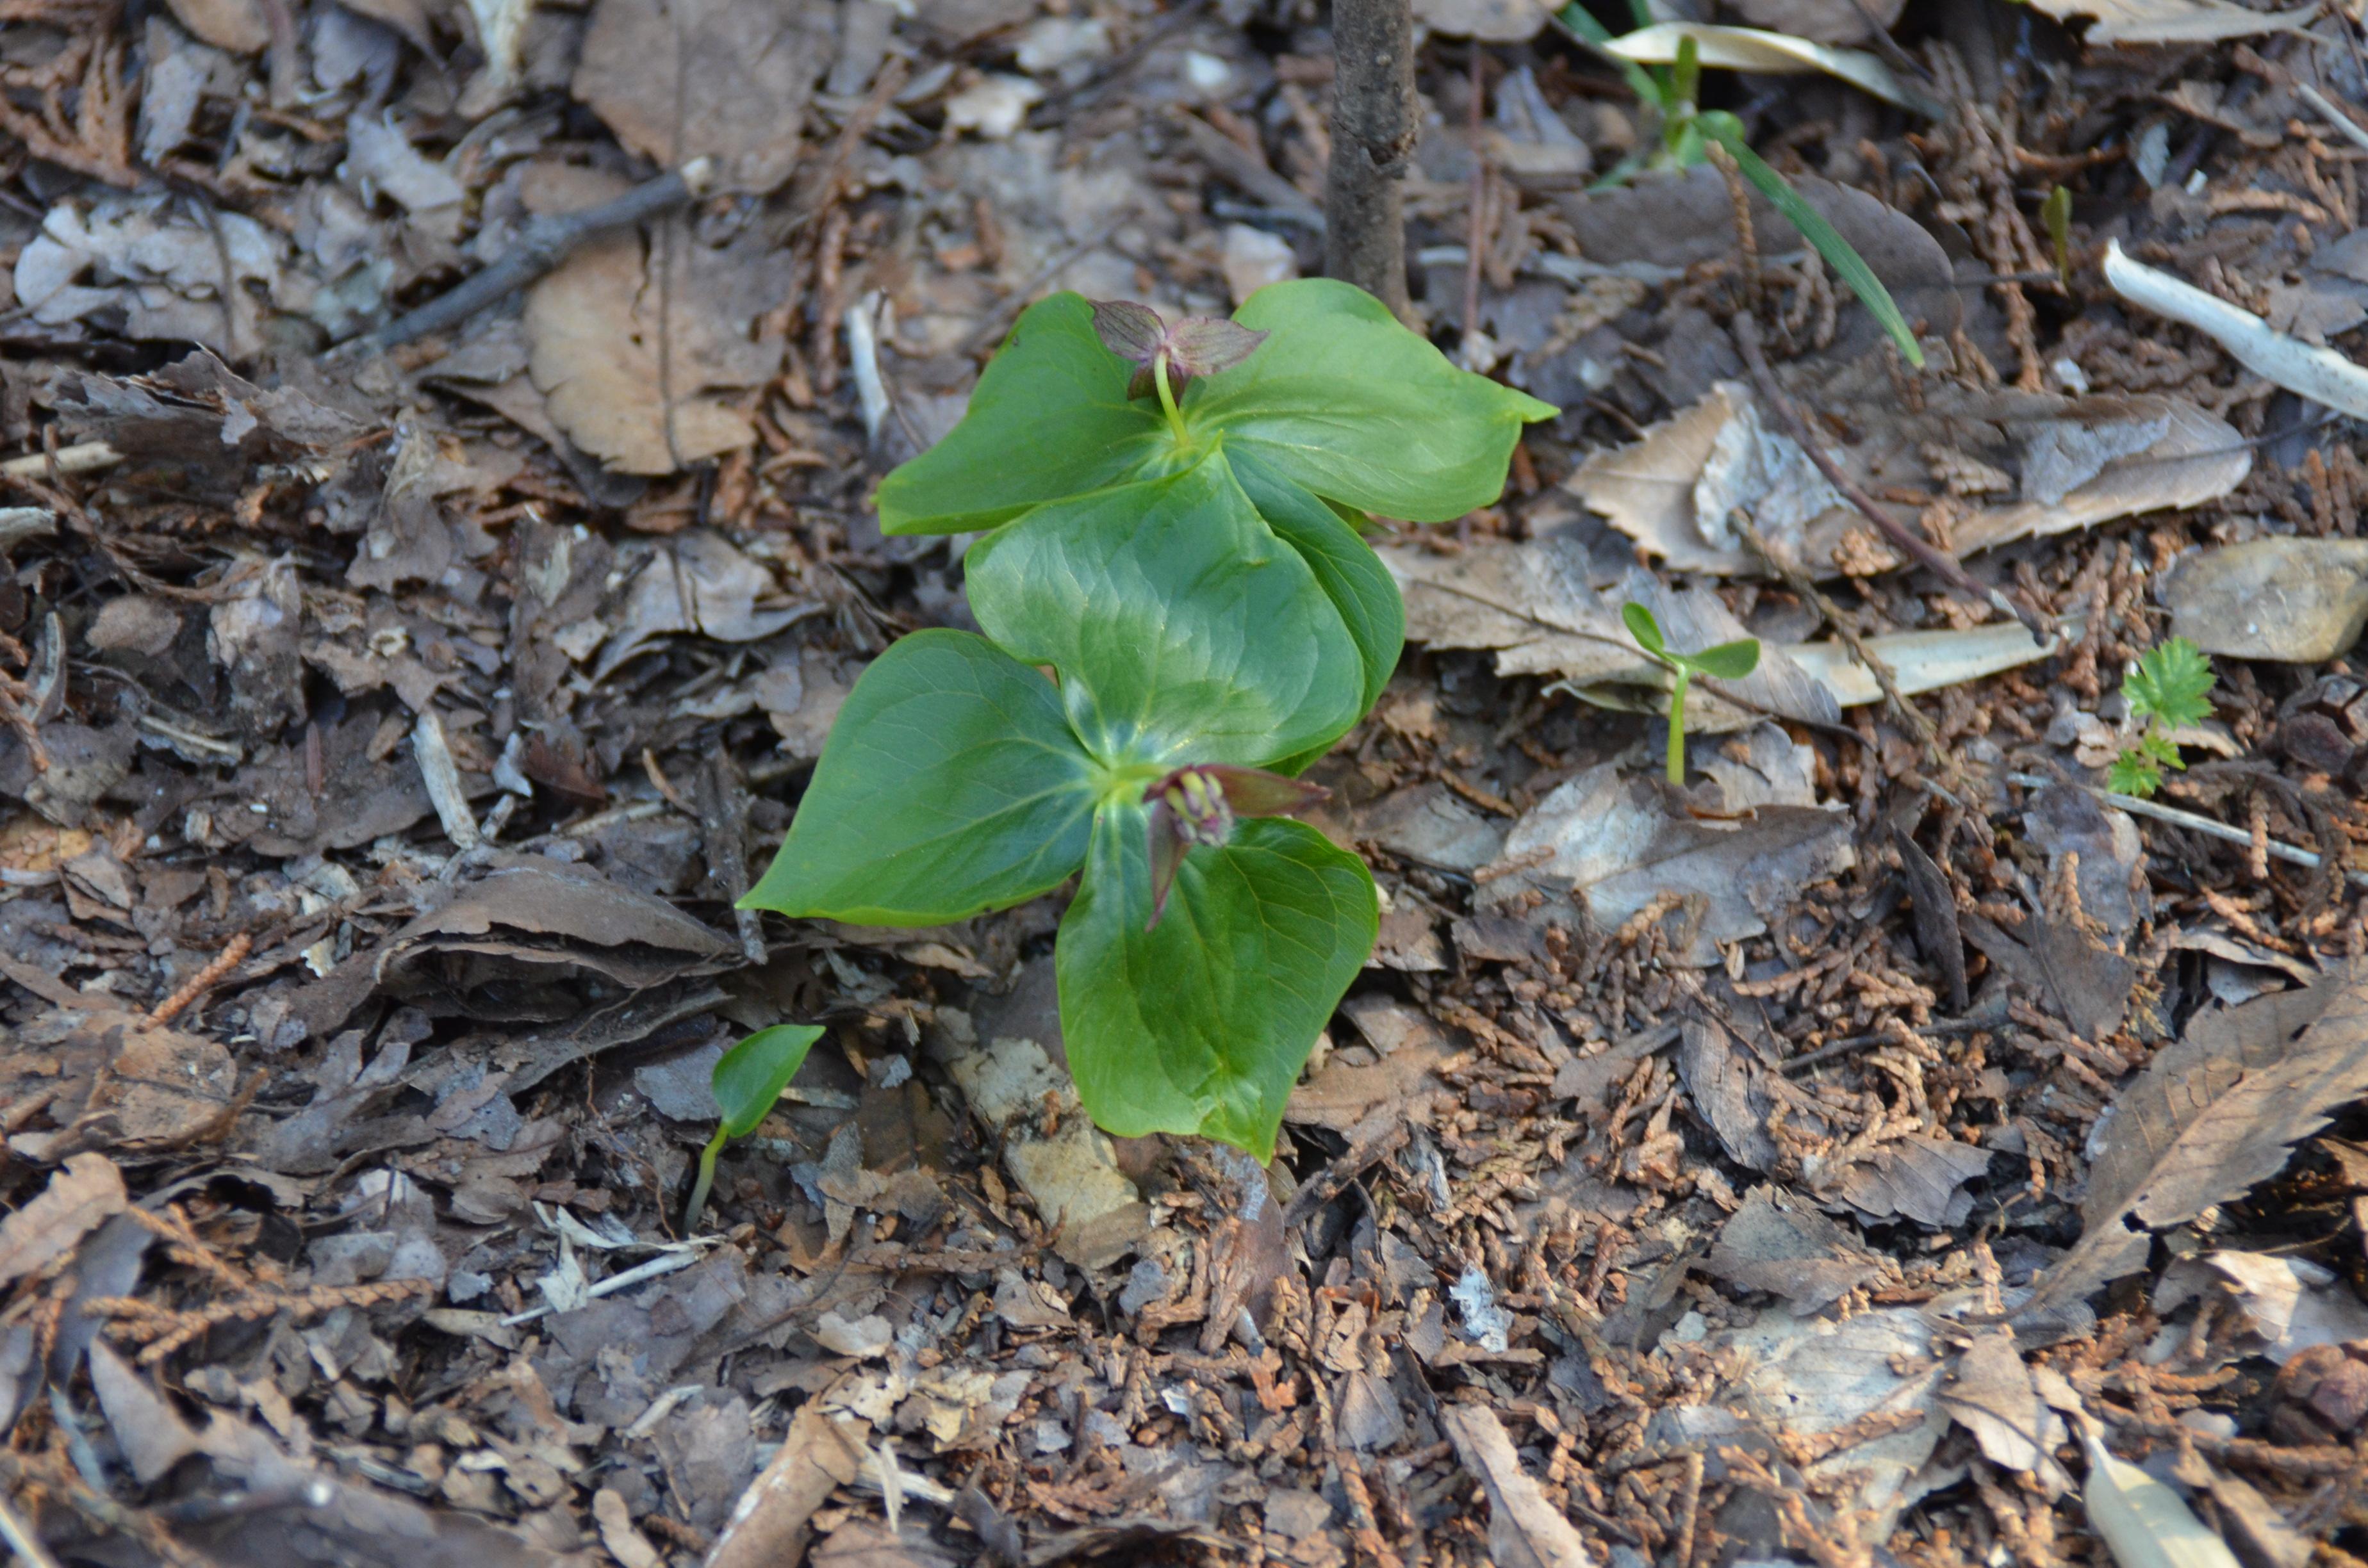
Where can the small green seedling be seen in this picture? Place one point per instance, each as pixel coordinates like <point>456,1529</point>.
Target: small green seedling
<point>2170,688</point>
<point>1686,126</point>
<point>1726,661</point>
<point>746,1081</point>
<point>2056,213</point>
<point>1169,513</point>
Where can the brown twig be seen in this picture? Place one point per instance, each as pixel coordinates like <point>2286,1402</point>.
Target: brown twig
<point>1906,539</point>
<point>205,980</point>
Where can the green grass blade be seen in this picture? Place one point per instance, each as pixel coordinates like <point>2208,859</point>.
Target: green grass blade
<point>1846,263</point>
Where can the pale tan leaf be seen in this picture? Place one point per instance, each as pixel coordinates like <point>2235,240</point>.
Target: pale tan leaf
<point>2143,1520</point>
<point>2297,600</point>
<point>600,372</point>
<point>84,1192</point>
<point>1992,1396</point>
<point>2213,1114</point>
<point>1827,21</point>
<point>1525,1529</point>
<point>2172,21</point>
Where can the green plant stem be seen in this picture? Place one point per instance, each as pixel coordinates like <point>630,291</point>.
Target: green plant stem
<point>705,1184</point>
<point>1167,398</point>
<point>1677,678</point>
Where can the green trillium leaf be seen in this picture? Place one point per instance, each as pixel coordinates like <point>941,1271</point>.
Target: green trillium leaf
<point>1345,401</point>
<point>1202,1025</point>
<point>1050,418</point>
<point>1182,627</point>
<point>1346,568</point>
<point>754,1073</point>
<point>951,783</point>
<point>1334,396</point>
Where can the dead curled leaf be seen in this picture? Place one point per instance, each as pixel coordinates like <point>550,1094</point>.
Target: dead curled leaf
<point>2209,1116</point>
<point>2039,463</point>
<point>81,1195</point>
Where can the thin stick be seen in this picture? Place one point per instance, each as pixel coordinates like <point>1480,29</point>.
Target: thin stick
<point>543,244</point>
<point>2335,116</point>
<point>21,1539</point>
<point>83,457</point>
<point>2210,828</point>
<point>1910,716</point>
<point>1910,543</point>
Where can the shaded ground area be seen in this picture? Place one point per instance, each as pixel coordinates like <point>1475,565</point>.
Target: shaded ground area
<point>1834,1162</point>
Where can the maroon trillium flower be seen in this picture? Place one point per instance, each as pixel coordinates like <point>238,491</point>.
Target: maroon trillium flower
<point>1196,346</point>
<point>1198,806</point>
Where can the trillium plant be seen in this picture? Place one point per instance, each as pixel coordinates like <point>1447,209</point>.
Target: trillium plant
<point>1181,614</point>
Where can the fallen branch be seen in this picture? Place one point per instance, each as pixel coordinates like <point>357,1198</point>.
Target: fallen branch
<point>543,244</point>
<point>1906,539</point>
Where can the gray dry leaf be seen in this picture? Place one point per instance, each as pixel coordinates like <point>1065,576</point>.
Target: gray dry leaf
<point>726,79</point>
<point>1991,1396</point>
<point>1614,842</point>
<point>2067,464</point>
<point>82,1194</point>
<point>1525,1529</point>
<point>697,581</point>
<point>2297,600</point>
<point>1777,1244</point>
<point>2209,1116</point>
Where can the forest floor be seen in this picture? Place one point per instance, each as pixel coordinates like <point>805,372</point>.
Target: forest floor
<point>1888,1150</point>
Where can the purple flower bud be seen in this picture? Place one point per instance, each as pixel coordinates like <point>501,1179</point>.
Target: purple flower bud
<point>1196,346</point>
<point>1198,806</point>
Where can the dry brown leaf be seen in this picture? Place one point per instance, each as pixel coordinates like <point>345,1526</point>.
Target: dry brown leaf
<point>1918,1177</point>
<point>2172,21</point>
<point>2074,464</point>
<point>726,79</point>
<point>768,1522</point>
<point>2209,1116</point>
<point>237,25</point>
<point>599,372</point>
<point>1777,1244</point>
<point>2297,600</point>
<point>1525,1529</point>
<point>1991,1396</point>
<point>82,1194</point>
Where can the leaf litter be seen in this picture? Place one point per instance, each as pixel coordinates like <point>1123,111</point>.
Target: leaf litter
<point>1858,1150</point>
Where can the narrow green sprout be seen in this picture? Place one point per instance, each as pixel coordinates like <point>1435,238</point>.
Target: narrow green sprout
<point>2170,686</point>
<point>2056,213</point>
<point>746,1081</point>
<point>1724,660</point>
<point>1685,128</point>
